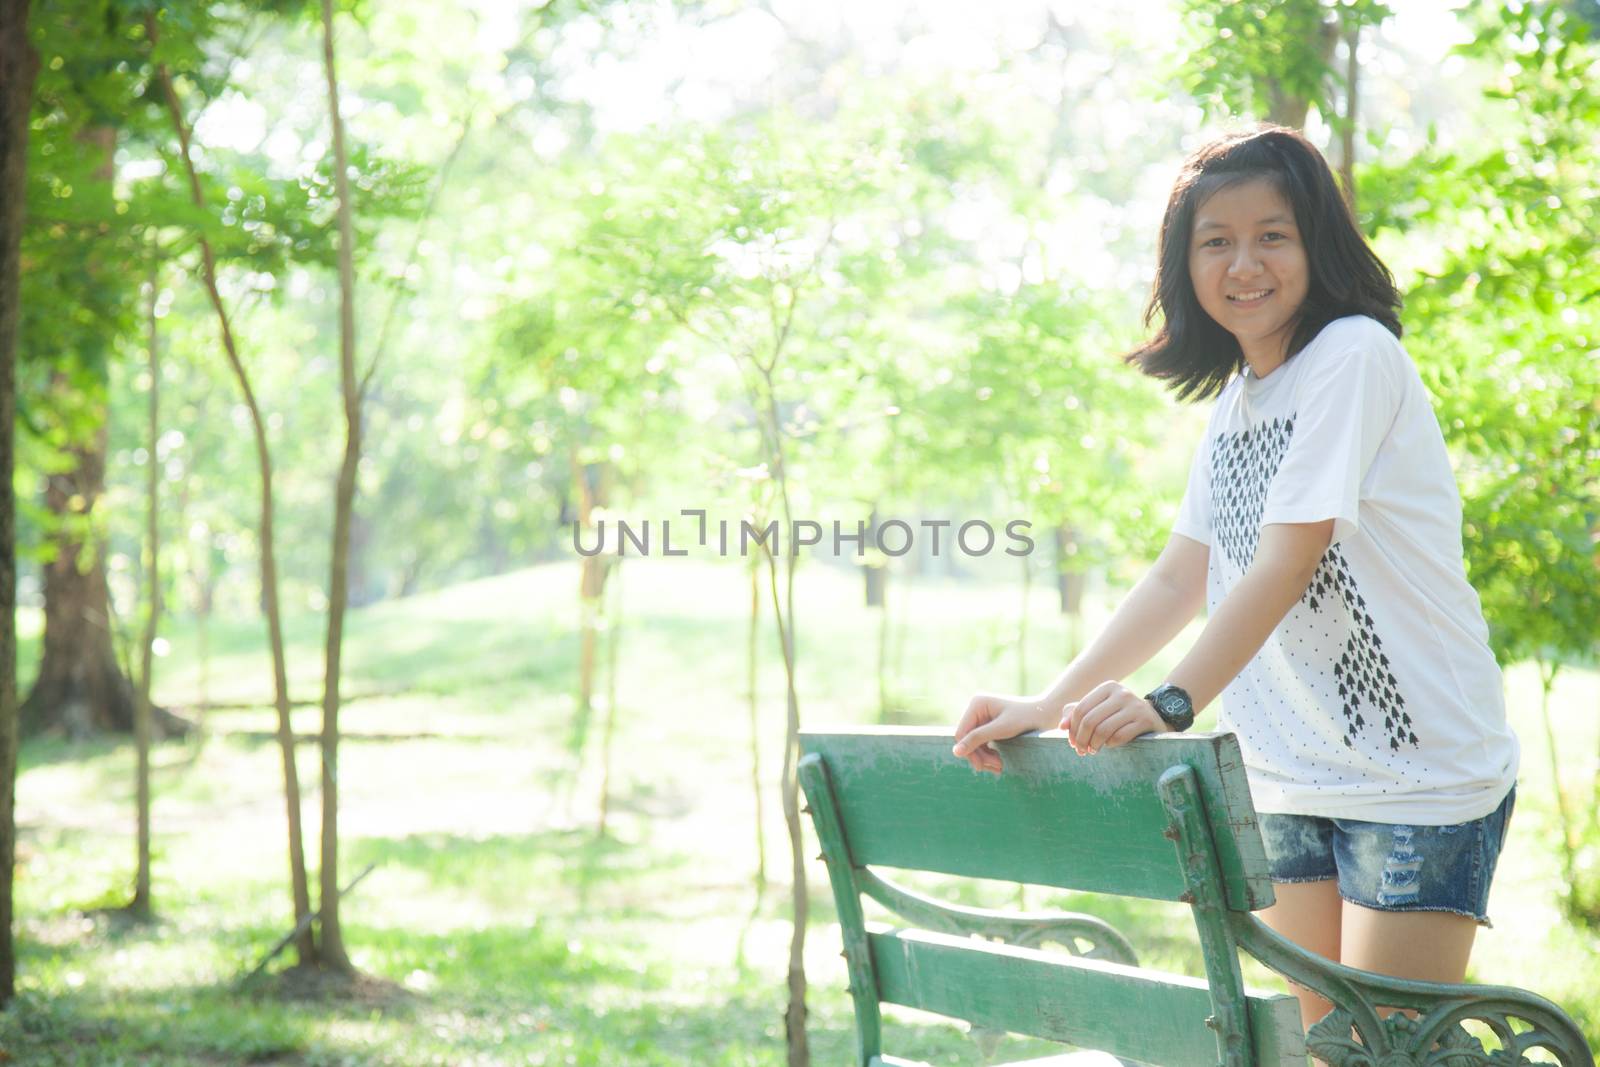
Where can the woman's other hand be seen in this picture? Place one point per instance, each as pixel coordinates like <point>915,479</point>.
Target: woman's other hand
<point>1110,715</point>
<point>996,718</point>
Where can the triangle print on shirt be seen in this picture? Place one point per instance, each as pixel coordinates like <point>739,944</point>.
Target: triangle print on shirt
<point>1243,465</point>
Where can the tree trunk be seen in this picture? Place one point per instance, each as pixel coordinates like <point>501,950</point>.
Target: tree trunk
<point>1547,681</point>
<point>331,949</point>
<point>80,687</point>
<point>1594,799</point>
<point>901,623</point>
<point>18,67</point>
<point>180,521</point>
<point>592,485</point>
<point>203,573</point>
<point>305,944</point>
<point>1069,579</point>
<point>1287,109</point>
<point>874,571</point>
<point>1347,129</point>
<point>796,1040</point>
<point>613,637</point>
<point>1070,582</point>
<point>142,905</point>
<point>885,711</point>
<point>1022,626</point>
<point>750,662</point>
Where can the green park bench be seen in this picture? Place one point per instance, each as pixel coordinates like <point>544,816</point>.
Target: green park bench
<point>1163,818</point>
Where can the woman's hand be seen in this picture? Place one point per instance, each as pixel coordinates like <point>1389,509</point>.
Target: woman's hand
<point>1110,715</point>
<point>995,718</point>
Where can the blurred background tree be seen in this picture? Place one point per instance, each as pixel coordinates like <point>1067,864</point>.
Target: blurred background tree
<point>870,264</point>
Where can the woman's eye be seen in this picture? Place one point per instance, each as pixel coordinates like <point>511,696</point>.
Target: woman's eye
<point>1215,242</point>
<point>1275,235</point>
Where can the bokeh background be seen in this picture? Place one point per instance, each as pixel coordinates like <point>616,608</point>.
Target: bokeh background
<point>606,263</point>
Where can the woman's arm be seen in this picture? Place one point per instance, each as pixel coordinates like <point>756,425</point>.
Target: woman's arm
<point>1163,601</point>
<point>1170,594</point>
<point>1286,559</point>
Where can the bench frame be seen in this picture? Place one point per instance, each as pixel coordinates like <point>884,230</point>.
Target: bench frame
<point>1434,1038</point>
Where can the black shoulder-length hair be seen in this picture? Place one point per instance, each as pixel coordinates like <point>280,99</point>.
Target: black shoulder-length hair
<point>1192,352</point>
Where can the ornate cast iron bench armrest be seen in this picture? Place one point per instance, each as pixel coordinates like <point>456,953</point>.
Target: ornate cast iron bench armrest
<point>1398,1040</point>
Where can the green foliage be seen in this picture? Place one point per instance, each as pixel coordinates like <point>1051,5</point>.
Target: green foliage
<point>1041,405</point>
<point>78,292</point>
<point>818,254</point>
<point>596,301</point>
<point>1505,326</point>
<point>1250,57</point>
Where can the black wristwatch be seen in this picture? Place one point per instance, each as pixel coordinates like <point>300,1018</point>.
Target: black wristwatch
<point>1174,707</point>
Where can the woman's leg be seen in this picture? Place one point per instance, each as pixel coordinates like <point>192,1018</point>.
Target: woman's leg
<point>1429,945</point>
<point>1309,914</point>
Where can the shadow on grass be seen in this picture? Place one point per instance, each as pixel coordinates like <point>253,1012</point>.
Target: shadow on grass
<point>487,984</point>
<point>504,993</point>
<point>169,1026</point>
<point>46,750</point>
<point>388,652</point>
<point>529,866</point>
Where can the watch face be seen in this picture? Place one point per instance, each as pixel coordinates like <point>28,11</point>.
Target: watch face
<point>1173,704</point>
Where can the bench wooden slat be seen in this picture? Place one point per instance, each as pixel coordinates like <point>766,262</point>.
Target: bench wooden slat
<point>907,802</point>
<point>1125,1011</point>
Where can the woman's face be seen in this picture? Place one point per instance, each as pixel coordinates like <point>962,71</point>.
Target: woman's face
<point>1248,267</point>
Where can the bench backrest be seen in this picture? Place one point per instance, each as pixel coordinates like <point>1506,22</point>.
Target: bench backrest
<point>898,798</point>
<point>1090,823</point>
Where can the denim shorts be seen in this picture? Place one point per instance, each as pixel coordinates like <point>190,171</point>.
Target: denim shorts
<point>1389,866</point>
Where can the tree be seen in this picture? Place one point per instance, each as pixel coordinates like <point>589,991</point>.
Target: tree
<point>142,905</point>
<point>277,223</point>
<point>305,945</point>
<point>749,265</point>
<point>80,687</point>
<point>79,309</point>
<point>19,65</point>
<point>331,951</point>
<point>1275,60</point>
<point>595,383</point>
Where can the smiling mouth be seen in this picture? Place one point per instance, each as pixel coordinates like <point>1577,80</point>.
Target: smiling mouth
<point>1254,296</point>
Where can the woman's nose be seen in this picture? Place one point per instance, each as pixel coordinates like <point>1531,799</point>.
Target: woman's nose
<point>1244,264</point>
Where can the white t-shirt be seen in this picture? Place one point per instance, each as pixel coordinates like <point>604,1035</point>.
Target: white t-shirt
<point>1377,697</point>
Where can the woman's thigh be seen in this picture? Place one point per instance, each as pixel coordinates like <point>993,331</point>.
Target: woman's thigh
<point>1432,946</point>
<point>1307,913</point>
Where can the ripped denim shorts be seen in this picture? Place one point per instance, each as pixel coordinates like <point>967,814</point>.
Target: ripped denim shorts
<point>1392,867</point>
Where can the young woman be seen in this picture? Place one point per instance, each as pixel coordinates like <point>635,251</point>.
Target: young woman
<point>1322,528</point>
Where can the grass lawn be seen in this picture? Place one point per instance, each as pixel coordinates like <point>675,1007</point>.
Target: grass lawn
<point>496,927</point>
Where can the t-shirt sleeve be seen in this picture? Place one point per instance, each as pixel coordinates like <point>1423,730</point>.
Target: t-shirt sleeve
<point>1345,407</point>
<point>1194,512</point>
